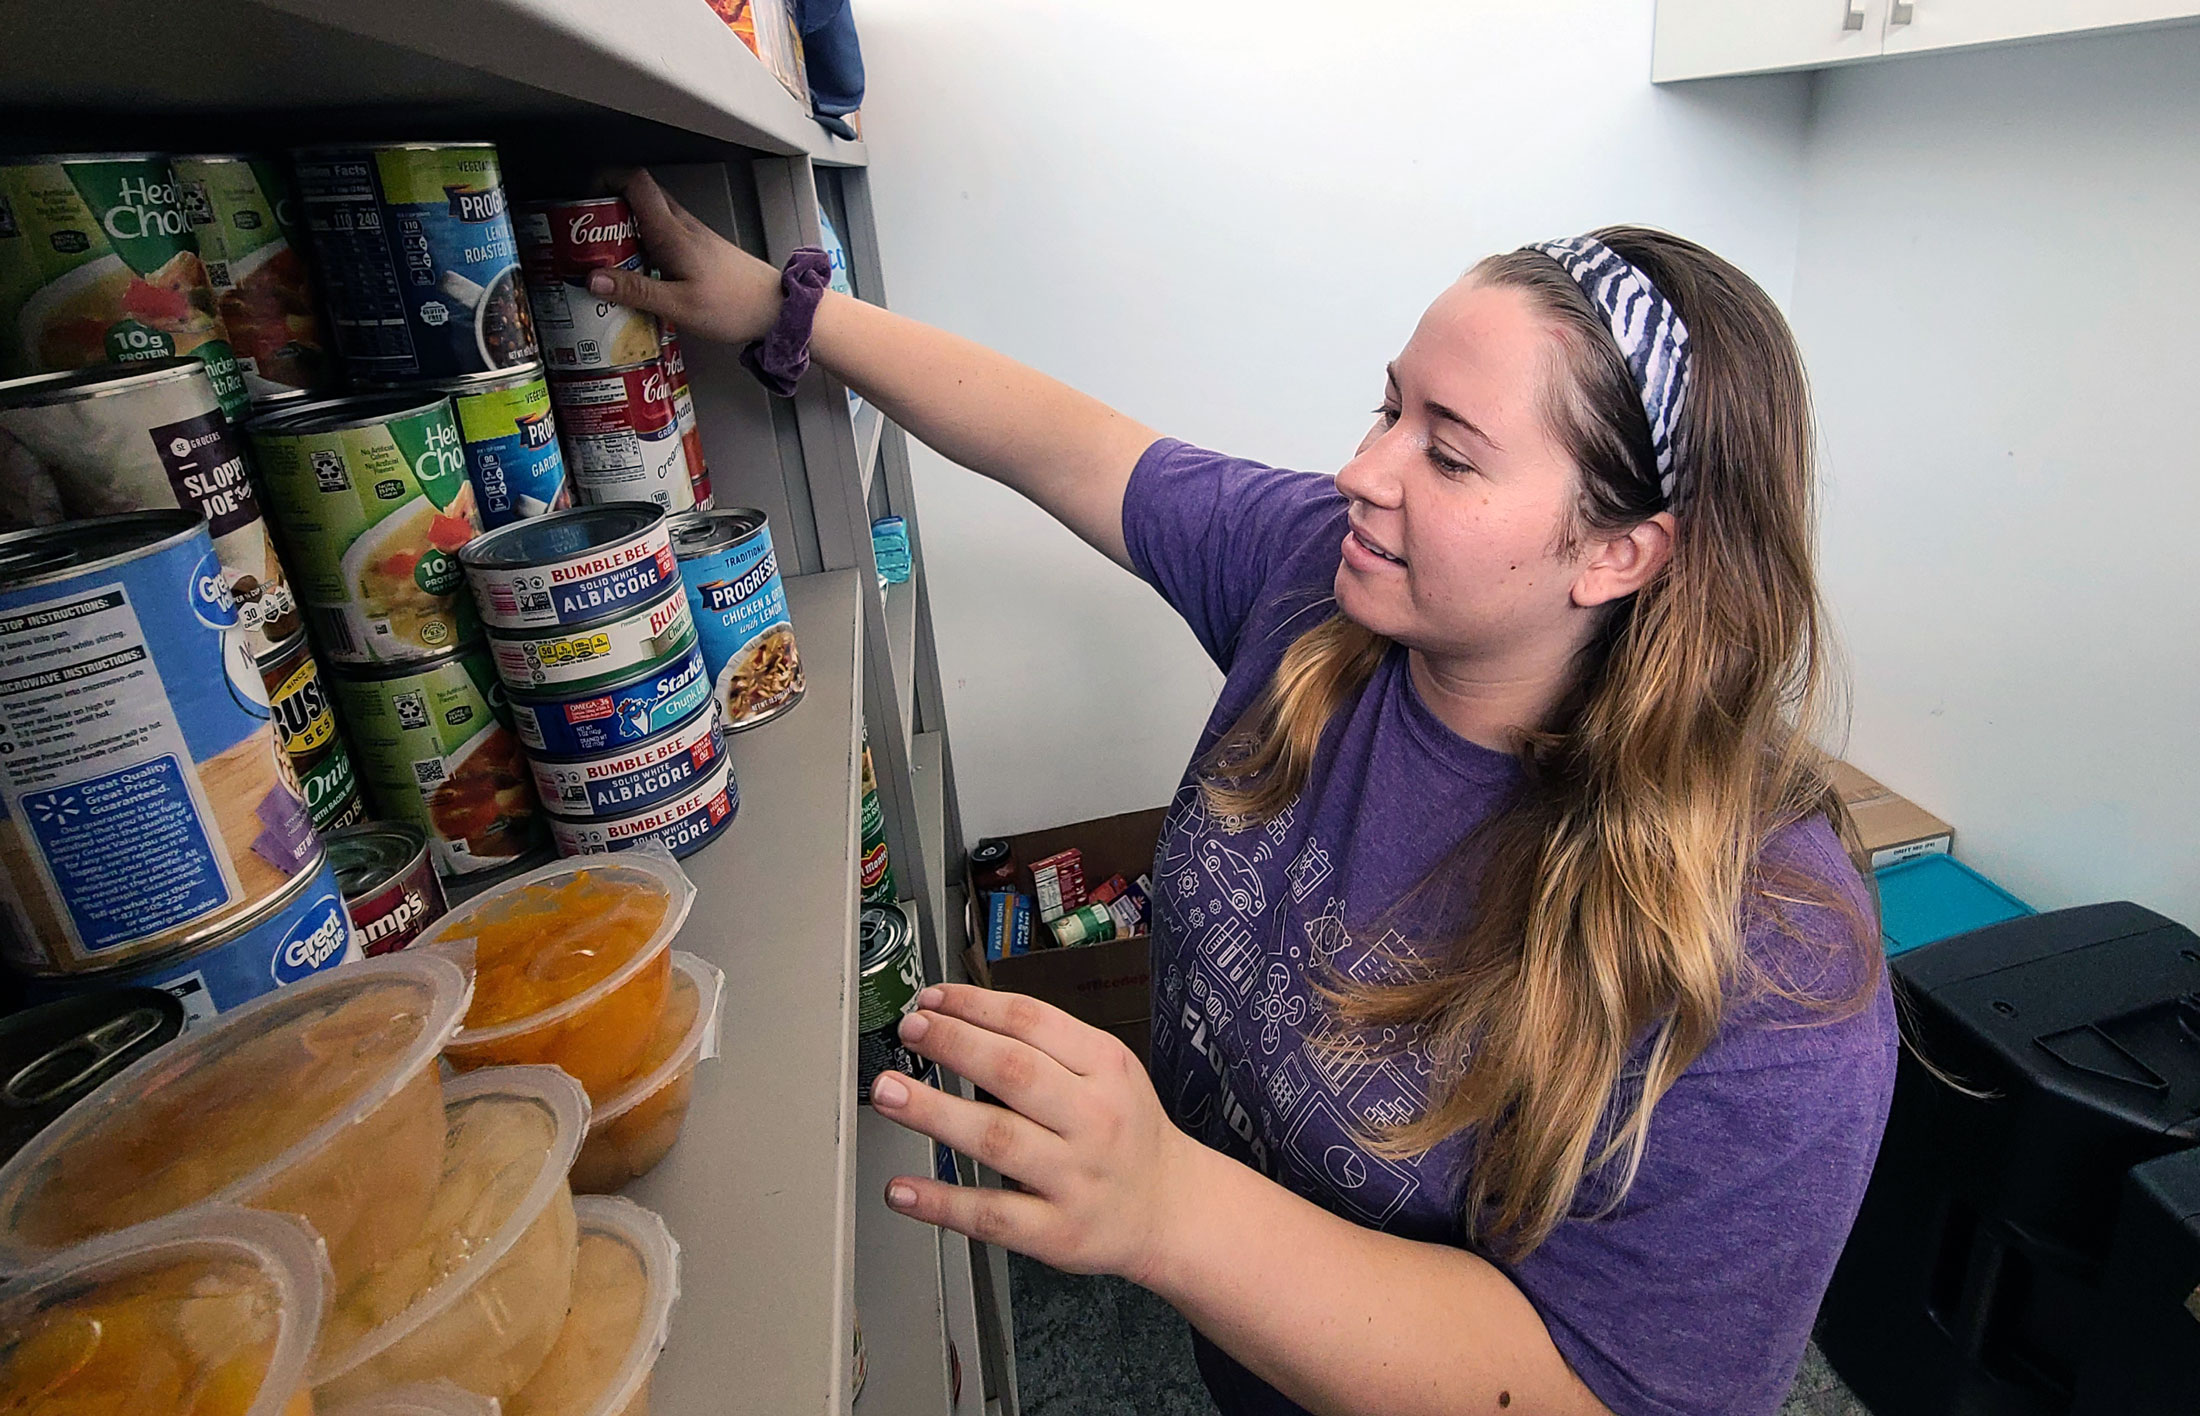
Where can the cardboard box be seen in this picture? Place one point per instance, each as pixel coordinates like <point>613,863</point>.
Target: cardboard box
<point>1107,985</point>
<point>1893,828</point>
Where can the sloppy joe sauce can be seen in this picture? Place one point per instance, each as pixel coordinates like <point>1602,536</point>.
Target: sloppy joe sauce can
<point>890,975</point>
<point>416,253</point>
<point>305,725</point>
<point>740,608</point>
<point>623,782</point>
<point>371,503</point>
<point>143,437</point>
<point>571,567</point>
<point>147,805</point>
<point>682,824</point>
<point>585,657</point>
<point>241,210</point>
<point>561,243</point>
<point>622,436</point>
<point>391,890</point>
<point>511,443</point>
<point>683,413</point>
<point>436,749</point>
<point>614,718</point>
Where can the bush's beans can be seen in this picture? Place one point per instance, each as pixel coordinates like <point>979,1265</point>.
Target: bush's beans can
<point>415,250</point>
<point>147,804</point>
<point>436,750</point>
<point>511,443</point>
<point>560,245</point>
<point>98,266</point>
<point>622,436</point>
<point>301,932</point>
<point>683,413</point>
<point>614,718</point>
<point>391,890</point>
<point>572,567</point>
<point>143,437</point>
<point>371,503</point>
<point>624,782</point>
<point>306,727</point>
<point>682,824</point>
<point>246,221</point>
<point>584,658</point>
<point>890,975</point>
<point>740,610</point>
<point>875,871</point>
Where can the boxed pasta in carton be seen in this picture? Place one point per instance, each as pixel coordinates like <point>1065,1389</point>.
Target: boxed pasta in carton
<point>1894,829</point>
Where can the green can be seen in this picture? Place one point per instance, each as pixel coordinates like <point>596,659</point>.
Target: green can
<point>242,212</point>
<point>889,977</point>
<point>371,503</point>
<point>98,265</point>
<point>435,748</point>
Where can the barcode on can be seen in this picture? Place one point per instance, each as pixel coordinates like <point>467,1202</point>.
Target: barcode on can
<point>429,773</point>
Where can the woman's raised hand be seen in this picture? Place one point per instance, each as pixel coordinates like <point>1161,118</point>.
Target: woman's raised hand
<point>711,287</point>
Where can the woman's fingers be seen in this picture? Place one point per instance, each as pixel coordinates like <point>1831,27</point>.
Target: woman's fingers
<point>1019,1074</point>
<point>1012,1144</point>
<point>1000,1217</point>
<point>637,291</point>
<point>1080,1047</point>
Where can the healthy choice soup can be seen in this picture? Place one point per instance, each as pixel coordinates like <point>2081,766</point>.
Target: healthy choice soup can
<point>416,253</point>
<point>511,443</point>
<point>148,805</point>
<point>436,750</point>
<point>562,243</point>
<point>391,890</point>
<point>371,503</point>
<point>241,210</point>
<point>572,567</point>
<point>98,265</point>
<point>682,824</point>
<point>623,782</point>
<point>588,657</point>
<point>615,718</point>
<point>144,437</point>
<point>740,610</point>
<point>305,724</point>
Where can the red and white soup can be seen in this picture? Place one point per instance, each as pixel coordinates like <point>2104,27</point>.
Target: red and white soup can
<point>562,243</point>
<point>622,436</point>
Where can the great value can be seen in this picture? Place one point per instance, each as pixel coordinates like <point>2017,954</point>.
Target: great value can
<point>586,657</point>
<point>683,824</point>
<point>683,413</point>
<point>99,266</point>
<point>616,717</point>
<point>511,443</point>
<point>246,221</point>
<point>436,749</point>
<point>415,250</point>
<point>371,503</point>
<point>560,244</point>
<point>571,567</point>
<point>146,801</point>
<point>889,976</point>
<point>143,437</point>
<point>621,783</point>
<point>622,436</point>
<point>391,890</point>
<point>306,727</point>
<point>740,609</point>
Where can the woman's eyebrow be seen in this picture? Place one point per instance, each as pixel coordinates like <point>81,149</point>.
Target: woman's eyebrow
<point>1438,410</point>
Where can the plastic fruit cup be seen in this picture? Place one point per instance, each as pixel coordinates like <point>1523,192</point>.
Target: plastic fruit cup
<point>211,1313</point>
<point>503,1273</point>
<point>625,1280</point>
<point>321,1100</point>
<point>418,1399</point>
<point>636,1125</point>
<point>550,986</point>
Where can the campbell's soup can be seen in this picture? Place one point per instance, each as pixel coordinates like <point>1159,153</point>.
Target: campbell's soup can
<point>306,726</point>
<point>414,247</point>
<point>623,782</point>
<point>682,824</point>
<point>586,657</point>
<point>144,437</point>
<point>148,805</point>
<point>683,412</point>
<point>511,444</point>
<point>241,209</point>
<point>622,436</point>
<point>614,718</point>
<point>570,568</point>
<point>561,243</point>
<point>391,890</point>
<point>740,608</point>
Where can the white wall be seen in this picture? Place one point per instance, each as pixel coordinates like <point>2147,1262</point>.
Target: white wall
<point>1996,294</point>
<point>1224,217</point>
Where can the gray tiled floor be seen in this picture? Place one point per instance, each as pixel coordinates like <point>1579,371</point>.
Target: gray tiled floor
<point>1103,1347</point>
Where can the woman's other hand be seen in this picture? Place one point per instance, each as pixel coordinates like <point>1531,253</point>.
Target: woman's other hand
<point>1080,1129</point>
<point>711,287</point>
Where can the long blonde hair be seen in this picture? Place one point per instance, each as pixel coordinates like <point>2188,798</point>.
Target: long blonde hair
<point>1611,892</point>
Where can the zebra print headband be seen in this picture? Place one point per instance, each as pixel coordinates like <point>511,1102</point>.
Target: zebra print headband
<point>1650,334</point>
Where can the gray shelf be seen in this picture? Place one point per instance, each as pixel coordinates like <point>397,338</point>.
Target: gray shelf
<point>897,1279</point>
<point>760,1189</point>
<point>901,650</point>
<point>928,782</point>
<point>870,432</point>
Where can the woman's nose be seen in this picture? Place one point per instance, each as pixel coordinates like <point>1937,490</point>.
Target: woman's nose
<point>1372,476</point>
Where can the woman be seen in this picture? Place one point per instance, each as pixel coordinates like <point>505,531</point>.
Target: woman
<point>1520,1039</point>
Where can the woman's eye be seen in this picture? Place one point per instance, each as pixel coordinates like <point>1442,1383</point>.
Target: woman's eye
<point>1450,467</point>
<point>1388,414</point>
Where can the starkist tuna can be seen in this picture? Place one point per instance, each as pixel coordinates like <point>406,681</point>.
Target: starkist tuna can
<point>511,443</point>
<point>147,805</point>
<point>622,436</point>
<point>571,567</point>
<point>586,657</point>
<point>740,610</point>
<point>391,890</point>
<point>682,825</point>
<point>562,243</point>
<point>623,782</point>
<point>579,725</point>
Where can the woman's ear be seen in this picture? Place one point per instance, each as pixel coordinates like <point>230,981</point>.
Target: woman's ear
<point>1618,567</point>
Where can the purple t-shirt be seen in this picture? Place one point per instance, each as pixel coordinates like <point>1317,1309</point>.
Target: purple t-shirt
<point>1696,1295</point>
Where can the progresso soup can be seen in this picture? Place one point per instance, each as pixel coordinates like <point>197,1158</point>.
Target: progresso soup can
<point>144,437</point>
<point>306,726</point>
<point>147,803</point>
<point>623,782</point>
<point>436,750</point>
<point>415,250</point>
<point>246,221</point>
<point>561,243</point>
<point>98,265</point>
<point>740,609</point>
<point>571,567</point>
<point>371,504</point>
<point>391,890</point>
<point>682,824</point>
<point>586,657</point>
<point>622,436</point>
<point>511,443</point>
<point>618,717</point>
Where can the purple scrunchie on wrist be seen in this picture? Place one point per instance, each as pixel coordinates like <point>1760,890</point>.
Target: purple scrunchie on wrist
<point>780,357</point>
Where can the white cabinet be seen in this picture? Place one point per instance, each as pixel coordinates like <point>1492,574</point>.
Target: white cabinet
<point>1947,24</point>
<point>1699,39</point>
